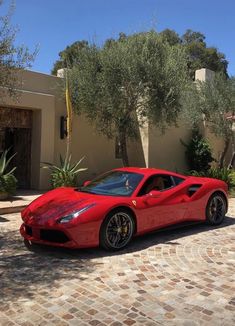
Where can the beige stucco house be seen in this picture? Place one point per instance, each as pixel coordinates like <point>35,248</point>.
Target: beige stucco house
<point>31,126</point>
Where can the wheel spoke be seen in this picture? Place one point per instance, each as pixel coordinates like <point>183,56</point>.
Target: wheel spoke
<point>117,220</point>
<point>119,230</point>
<point>118,238</point>
<point>217,209</point>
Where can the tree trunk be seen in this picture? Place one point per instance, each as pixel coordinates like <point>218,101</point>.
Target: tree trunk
<point>123,148</point>
<point>223,154</point>
<point>231,163</point>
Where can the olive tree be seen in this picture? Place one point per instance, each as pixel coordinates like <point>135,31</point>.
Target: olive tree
<point>212,102</point>
<point>12,58</point>
<point>69,56</point>
<point>199,54</point>
<point>136,75</point>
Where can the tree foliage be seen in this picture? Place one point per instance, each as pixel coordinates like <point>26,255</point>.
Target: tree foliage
<point>199,55</point>
<point>198,153</point>
<point>139,73</point>
<point>144,72</point>
<point>69,56</point>
<point>12,58</point>
<point>213,102</point>
<point>170,36</point>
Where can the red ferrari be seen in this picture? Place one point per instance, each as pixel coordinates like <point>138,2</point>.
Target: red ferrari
<point>120,204</point>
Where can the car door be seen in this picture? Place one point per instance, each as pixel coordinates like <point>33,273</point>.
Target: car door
<point>160,202</point>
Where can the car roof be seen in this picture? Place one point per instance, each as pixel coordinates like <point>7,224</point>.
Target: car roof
<point>148,171</point>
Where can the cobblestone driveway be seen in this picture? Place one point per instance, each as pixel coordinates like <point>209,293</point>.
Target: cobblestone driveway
<point>179,277</point>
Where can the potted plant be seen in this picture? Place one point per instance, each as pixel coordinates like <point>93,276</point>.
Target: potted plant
<point>7,179</point>
<point>64,175</point>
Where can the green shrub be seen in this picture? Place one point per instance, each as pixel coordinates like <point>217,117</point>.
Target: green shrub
<point>224,174</point>
<point>8,184</point>
<point>8,181</point>
<point>66,174</point>
<point>198,152</point>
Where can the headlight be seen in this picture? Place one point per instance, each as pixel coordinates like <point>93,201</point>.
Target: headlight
<point>74,214</point>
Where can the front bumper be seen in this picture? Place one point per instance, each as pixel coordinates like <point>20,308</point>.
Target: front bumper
<point>82,236</point>
<point>51,237</point>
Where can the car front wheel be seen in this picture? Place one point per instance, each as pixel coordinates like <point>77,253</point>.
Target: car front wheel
<point>117,230</point>
<point>216,209</point>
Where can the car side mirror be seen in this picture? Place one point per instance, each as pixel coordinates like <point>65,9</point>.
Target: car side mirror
<point>86,183</point>
<point>154,194</point>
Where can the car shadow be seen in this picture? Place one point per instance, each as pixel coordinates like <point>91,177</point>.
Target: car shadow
<point>171,235</point>
<point>25,273</point>
<point>167,236</point>
<point>3,219</point>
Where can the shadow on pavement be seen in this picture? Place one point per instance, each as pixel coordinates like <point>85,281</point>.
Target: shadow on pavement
<point>166,236</point>
<point>24,273</point>
<point>3,219</point>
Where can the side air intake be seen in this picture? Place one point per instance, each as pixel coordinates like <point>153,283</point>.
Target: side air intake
<point>193,189</point>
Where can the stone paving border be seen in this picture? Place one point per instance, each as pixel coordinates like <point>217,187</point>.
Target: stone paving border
<point>178,277</point>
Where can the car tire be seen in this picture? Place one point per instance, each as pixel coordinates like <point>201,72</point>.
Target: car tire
<point>216,209</point>
<point>117,230</point>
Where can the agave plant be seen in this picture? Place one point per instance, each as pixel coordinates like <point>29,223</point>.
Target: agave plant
<point>7,179</point>
<point>64,175</point>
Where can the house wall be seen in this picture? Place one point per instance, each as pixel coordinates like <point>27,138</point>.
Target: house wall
<point>166,150</point>
<point>43,104</point>
<point>42,94</point>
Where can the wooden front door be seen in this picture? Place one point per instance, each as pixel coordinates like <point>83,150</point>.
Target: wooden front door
<point>19,142</point>
<point>17,127</point>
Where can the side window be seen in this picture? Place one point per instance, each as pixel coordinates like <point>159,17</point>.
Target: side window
<point>178,180</point>
<point>159,182</point>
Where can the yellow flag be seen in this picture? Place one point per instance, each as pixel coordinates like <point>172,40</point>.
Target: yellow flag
<point>69,109</point>
<point>69,118</point>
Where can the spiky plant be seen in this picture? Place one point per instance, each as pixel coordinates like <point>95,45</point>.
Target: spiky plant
<point>64,175</point>
<point>8,181</point>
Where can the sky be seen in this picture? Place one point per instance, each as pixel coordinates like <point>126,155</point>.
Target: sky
<point>51,25</point>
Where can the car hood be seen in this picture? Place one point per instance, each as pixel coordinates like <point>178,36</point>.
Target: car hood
<point>48,208</point>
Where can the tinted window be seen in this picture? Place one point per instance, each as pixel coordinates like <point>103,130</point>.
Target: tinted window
<point>178,180</point>
<point>158,182</point>
<point>114,183</point>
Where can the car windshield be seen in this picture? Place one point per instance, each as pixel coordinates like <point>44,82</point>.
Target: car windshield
<point>114,183</point>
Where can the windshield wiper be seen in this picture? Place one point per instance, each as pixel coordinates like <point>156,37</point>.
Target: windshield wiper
<point>79,189</point>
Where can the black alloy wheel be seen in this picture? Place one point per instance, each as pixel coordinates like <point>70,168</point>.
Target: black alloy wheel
<point>117,230</point>
<point>216,209</point>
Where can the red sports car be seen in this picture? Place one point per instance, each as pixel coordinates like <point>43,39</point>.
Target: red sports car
<point>120,204</point>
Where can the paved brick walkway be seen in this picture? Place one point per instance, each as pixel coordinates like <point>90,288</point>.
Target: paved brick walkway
<point>180,277</point>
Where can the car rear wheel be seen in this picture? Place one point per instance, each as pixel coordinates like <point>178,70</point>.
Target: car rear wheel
<point>117,230</point>
<point>216,209</point>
